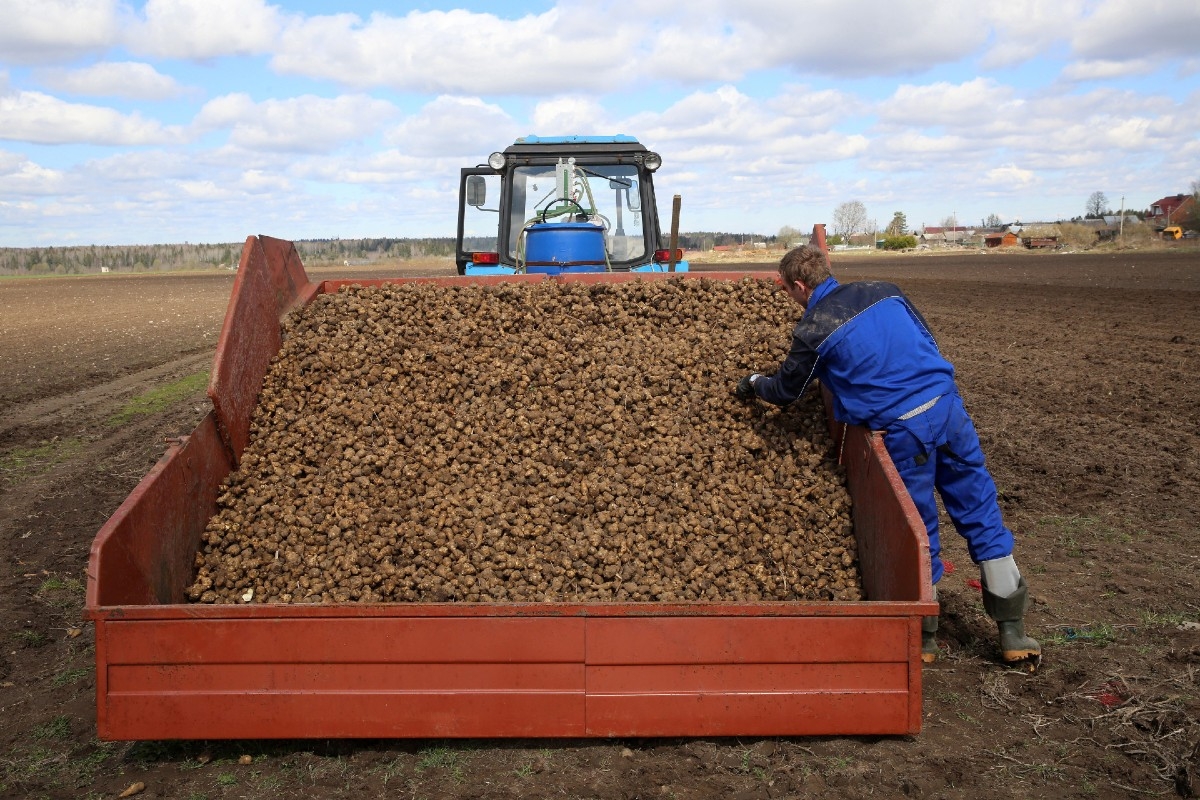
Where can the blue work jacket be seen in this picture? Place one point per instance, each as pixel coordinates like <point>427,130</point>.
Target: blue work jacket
<point>870,346</point>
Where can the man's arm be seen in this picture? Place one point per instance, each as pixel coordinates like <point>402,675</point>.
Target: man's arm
<point>792,378</point>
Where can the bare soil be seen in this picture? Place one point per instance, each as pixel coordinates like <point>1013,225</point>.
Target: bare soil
<point>1081,371</point>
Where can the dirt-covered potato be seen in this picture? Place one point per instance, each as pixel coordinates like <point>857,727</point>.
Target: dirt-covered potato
<point>530,443</point>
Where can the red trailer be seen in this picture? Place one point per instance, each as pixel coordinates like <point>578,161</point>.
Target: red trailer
<point>167,669</point>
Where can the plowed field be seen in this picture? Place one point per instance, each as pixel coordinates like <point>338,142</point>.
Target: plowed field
<point>1082,372</point>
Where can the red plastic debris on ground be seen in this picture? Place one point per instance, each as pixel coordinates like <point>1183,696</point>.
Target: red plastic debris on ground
<point>1111,694</point>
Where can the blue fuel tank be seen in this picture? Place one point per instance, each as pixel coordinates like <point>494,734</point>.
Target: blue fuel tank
<point>557,247</point>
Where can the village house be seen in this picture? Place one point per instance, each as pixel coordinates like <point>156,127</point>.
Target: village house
<point>945,237</point>
<point>1004,238</point>
<point>1173,210</point>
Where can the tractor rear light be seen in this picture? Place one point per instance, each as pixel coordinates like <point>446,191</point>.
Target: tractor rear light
<point>485,258</point>
<point>665,255</point>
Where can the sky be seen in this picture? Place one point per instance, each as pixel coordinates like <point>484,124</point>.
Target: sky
<point>172,121</point>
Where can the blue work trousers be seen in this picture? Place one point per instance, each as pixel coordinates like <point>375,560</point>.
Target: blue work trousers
<point>938,449</point>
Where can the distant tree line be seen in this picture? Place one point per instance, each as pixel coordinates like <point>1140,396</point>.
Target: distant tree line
<point>707,240</point>
<point>375,249</point>
<point>87,259</point>
<point>115,258</point>
<point>90,259</point>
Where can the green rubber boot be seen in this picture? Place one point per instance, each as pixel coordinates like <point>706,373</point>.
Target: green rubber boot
<point>929,626</point>
<point>1009,612</point>
<point>929,648</point>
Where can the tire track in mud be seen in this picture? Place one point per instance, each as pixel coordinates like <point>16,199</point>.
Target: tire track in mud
<point>72,412</point>
<point>50,513</point>
<point>79,466</point>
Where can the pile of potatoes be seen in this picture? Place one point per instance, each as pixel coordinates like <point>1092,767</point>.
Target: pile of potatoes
<point>532,442</point>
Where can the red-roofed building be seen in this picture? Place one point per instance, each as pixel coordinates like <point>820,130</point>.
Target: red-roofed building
<point>1171,210</point>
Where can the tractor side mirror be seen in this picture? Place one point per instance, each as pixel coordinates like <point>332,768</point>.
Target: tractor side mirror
<point>633,198</point>
<point>476,190</point>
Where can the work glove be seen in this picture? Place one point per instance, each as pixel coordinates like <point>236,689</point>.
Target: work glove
<point>745,387</point>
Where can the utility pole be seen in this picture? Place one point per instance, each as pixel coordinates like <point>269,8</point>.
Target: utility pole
<point>1121,228</point>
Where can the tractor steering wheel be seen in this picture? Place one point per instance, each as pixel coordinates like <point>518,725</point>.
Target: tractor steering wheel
<point>572,202</point>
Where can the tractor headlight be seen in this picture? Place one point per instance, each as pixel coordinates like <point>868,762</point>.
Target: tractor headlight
<point>652,161</point>
<point>497,161</point>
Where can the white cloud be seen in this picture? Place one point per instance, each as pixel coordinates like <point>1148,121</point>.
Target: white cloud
<point>22,207</point>
<point>724,115</point>
<point>974,103</point>
<point>875,37</point>
<point>151,166</point>
<point>810,149</point>
<point>1123,30</point>
<point>460,52</point>
<point>225,111</point>
<point>45,31</point>
<point>125,79</point>
<point>299,124</point>
<point>909,149</point>
<point>1011,178</point>
<point>697,46</point>
<point>383,167</point>
<point>1108,69</point>
<point>728,130</point>
<point>233,187</point>
<point>719,114</point>
<point>466,127</point>
<point>20,176</point>
<point>725,149</point>
<point>722,40</point>
<point>42,119</point>
<point>1025,29</point>
<point>564,50</point>
<point>973,126</point>
<point>570,115</point>
<point>611,47</point>
<point>815,110</point>
<point>1133,133</point>
<point>206,190</point>
<point>203,29</point>
<point>1101,126</point>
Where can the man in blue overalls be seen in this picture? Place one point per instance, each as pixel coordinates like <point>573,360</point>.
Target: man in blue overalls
<point>873,350</point>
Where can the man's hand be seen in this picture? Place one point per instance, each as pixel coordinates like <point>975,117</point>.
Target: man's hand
<point>745,387</point>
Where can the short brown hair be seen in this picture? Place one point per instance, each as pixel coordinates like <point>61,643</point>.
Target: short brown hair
<point>804,263</point>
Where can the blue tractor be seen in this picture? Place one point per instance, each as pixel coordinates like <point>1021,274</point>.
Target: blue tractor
<point>563,204</point>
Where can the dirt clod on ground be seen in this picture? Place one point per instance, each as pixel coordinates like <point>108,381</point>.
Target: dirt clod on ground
<point>531,442</point>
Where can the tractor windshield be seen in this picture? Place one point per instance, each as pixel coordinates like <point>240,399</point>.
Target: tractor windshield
<point>608,194</point>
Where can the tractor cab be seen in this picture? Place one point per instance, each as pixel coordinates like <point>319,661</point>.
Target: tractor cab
<point>556,205</point>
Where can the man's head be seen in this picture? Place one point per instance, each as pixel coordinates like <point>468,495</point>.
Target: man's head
<point>803,269</point>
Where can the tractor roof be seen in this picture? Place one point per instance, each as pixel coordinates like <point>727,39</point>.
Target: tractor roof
<point>566,145</point>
